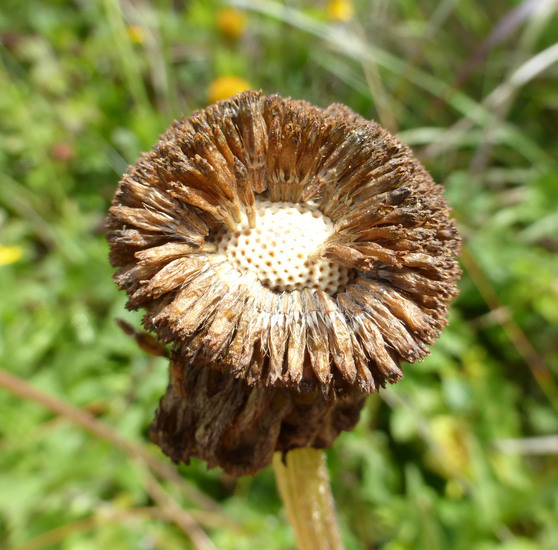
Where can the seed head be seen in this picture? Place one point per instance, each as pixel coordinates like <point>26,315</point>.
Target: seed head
<point>293,257</point>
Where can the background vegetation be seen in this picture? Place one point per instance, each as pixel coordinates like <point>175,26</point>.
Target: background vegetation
<point>463,453</point>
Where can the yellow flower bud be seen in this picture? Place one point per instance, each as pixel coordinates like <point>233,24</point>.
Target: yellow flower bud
<point>225,87</point>
<point>340,10</point>
<point>136,33</point>
<point>10,254</point>
<point>231,23</point>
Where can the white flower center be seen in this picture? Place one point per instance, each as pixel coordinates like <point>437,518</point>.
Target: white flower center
<point>281,251</point>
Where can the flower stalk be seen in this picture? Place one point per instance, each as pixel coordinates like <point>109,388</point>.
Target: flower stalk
<point>303,482</point>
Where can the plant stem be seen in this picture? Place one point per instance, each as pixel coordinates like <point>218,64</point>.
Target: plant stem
<point>306,493</point>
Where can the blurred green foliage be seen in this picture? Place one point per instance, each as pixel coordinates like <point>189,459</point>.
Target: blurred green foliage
<point>86,86</point>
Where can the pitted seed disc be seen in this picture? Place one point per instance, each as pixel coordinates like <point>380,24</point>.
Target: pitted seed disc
<point>282,251</point>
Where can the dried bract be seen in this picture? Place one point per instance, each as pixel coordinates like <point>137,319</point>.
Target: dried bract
<point>288,253</point>
<point>213,416</point>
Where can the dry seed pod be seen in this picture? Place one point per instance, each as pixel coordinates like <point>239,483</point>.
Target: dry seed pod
<point>292,256</point>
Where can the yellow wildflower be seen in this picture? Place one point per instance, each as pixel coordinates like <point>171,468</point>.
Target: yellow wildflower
<point>10,254</point>
<point>136,33</point>
<point>231,23</point>
<point>225,87</point>
<point>340,10</point>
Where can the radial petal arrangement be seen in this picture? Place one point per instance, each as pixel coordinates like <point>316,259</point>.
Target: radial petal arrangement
<point>297,251</point>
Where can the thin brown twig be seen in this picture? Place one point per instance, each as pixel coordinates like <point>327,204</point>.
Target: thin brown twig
<point>175,513</point>
<point>59,534</point>
<point>86,420</point>
<point>534,361</point>
<point>106,517</point>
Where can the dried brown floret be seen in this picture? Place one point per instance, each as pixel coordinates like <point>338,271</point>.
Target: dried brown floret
<point>210,415</point>
<point>284,251</point>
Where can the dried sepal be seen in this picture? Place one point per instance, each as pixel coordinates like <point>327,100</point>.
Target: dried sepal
<point>210,415</point>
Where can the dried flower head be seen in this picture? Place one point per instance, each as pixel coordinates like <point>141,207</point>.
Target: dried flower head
<point>293,257</point>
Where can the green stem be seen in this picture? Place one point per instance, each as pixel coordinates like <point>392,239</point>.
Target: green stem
<point>304,487</point>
